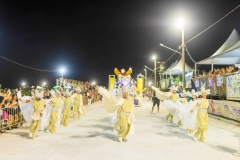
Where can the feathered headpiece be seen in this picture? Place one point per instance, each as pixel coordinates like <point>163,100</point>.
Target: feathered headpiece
<point>67,92</point>
<point>77,89</point>
<point>174,88</point>
<point>184,93</point>
<point>194,93</point>
<point>204,90</point>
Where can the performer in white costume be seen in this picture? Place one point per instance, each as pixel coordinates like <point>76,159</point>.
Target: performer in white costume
<point>182,105</point>
<point>171,104</point>
<point>189,119</point>
<point>121,109</point>
<point>39,108</point>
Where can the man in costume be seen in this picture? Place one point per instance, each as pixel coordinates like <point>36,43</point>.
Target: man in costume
<point>122,107</point>
<point>56,102</point>
<point>78,103</point>
<point>68,102</point>
<point>39,108</point>
<point>202,116</point>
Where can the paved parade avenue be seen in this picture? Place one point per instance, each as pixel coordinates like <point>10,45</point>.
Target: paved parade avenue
<point>92,138</point>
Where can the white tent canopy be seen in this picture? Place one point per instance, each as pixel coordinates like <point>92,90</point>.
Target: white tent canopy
<point>227,54</point>
<point>176,68</point>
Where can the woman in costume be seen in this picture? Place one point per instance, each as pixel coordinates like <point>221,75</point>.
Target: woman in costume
<point>39,108</point>
<point>202,115</point>
<point>189,120</point>
<point>182,105</point>
<point>68,102</point>
<point>56,102</point>
<point>78,103</point>
<point>121,109</point>
<point>171,104</point>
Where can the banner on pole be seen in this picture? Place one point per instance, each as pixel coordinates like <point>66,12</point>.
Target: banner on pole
<point>111,84</point>
<point>233,86</point>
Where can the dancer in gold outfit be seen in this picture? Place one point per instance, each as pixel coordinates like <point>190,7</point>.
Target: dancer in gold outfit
<point>78,103</point>
<point>56,102</point>
<point>68,102</point>
<point>202,117</point>
<point>39,107</point>
<point>174,97</point>
<point>123,106</point>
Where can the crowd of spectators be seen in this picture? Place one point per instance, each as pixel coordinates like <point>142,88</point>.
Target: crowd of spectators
<point>10,112</point>
<point>89,92</point>
<point>220,71</point>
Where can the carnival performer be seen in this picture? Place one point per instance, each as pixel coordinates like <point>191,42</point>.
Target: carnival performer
<point>171,105</point>
<point>39,108</point>
<point>184,101</point>
<point>78,103</point>
<point>139,97</point>
<point>190,127</point>
<point>56,102</point>
<point>122,108</point>
<point>189,119</point>
<point>68,103</point>
<point>202,116</point>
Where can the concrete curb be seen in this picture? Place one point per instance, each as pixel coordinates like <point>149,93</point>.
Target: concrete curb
<point>225,120</point>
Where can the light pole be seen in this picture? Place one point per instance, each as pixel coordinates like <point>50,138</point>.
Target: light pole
<point>149,84</point>
<point>180,24</point>
<point>160,71</point>
<point>145,78</point>
<point>62,70</point>
<point>155,70</point>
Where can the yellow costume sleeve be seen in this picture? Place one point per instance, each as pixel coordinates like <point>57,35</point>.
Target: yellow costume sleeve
<point>110,103</point>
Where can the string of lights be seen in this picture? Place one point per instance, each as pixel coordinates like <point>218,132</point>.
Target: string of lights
<point>212,25</point>
<point>28,66</point>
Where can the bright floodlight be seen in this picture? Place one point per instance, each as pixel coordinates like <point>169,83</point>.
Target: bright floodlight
<point>153,57</point>
<point>93,83</point>
<point>149,83</point>
<point>180,22</point>
<point>62,70</point>
<point>44,83</point>
<point>23,84</point>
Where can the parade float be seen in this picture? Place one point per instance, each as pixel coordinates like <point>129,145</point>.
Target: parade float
<point>123,78</point>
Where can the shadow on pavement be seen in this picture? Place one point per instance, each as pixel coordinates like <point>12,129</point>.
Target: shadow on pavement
<point>20,134</point>
<point>104,127</point>
<point>222,148</point>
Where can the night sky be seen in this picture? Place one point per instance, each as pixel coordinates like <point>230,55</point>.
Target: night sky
<point>90,38</point>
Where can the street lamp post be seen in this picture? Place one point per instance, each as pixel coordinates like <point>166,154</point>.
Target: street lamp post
<point>62,70</point>
<point>155,70</point>
<point>183,60</point>
<point>180,23</point>
<point>160,72</point>
<point>145,78</point>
